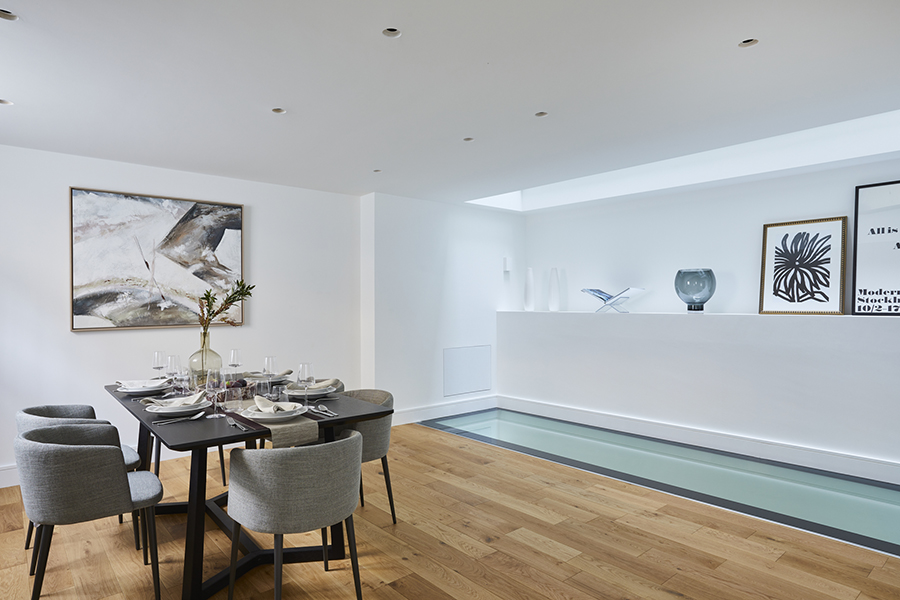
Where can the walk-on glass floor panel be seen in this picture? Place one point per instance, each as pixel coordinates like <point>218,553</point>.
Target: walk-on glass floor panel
<point>856,510</point>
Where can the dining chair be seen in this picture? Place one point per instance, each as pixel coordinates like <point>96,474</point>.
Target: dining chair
<point>76,473</point>
<point>49,415</point>
<point>376,438</point>
<point>295,490</point>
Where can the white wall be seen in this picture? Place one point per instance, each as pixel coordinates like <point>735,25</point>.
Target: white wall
<point>797,383</point>
<point>643,241</point>
<point>438,282</point>
<point>301,250</point>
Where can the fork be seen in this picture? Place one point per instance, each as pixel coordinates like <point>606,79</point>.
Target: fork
<point>233,423</point>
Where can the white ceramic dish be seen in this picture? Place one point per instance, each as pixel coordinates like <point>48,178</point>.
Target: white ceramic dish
<point>145,391</point>
<point>263,417</point>
<point>185,409</point>
<point>275,380</point>
<point>313,394</point>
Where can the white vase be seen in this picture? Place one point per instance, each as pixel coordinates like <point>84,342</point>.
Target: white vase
<point>529,289</point>
<point>553,296</point>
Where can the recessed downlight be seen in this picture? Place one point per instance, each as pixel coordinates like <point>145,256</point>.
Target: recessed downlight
<point>279,111</point>
<point>376,170</point>
<point>540,114</point>
<point>5,101</point>
<point>5,14</point>
<point>392,32</point>
<point>468,139</point>
<point>748,42</point>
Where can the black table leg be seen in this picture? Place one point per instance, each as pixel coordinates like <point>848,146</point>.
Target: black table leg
<point>192,583</point>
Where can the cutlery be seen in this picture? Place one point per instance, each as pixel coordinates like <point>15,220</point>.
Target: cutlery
<point>327,411</point>
<point>169,421</point>
<point>233,423</point>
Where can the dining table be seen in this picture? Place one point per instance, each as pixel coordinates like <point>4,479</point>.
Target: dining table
<point>197,437</point>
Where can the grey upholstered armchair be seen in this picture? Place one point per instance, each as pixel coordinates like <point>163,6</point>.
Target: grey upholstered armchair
<point>49,415</point>
<point>376,438</point>
<point>294,490</point>
<point>76,473</point>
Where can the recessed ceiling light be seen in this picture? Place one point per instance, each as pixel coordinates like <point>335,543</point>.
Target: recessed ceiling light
<point>540,114</point>
<point>376,170</point>
<point>748,42</point>
<point>468,139</point>
<point>7,102</point>
<point>392,32</point>
<point>279,110</point>
<point>5,14</point>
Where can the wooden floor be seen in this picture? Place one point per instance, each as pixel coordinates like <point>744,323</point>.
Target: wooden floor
<point>479,522</point>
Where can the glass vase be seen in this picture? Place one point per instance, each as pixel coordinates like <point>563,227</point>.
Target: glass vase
<point>203,359</point>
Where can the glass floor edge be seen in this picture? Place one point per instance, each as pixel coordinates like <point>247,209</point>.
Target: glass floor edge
<point>851,509</point>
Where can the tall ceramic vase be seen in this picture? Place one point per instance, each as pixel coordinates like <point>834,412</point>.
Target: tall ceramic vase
<point>203,359</point>
<point>529,289</point>
<point>553,296</point>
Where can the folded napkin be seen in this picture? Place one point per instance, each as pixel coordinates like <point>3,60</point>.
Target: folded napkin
<point>295,432</point>
<point>142,384</point>
<point>261,375</point>
<point>321,384</point>
<point>267,406</point>
<point>184,401</point>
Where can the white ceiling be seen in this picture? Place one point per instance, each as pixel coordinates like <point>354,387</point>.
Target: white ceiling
<point>190,85</point>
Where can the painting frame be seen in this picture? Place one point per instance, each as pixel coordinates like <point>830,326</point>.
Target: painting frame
<point>798,267</point>
<point>142,261</point>
<point>876,250</point>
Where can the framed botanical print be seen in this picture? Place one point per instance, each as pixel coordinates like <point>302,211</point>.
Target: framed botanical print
<point>876,272</point>
<point>803,267</point>
<point>145,261</point>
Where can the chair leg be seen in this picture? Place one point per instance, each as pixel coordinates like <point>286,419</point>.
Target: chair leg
<point>29,534</point>
<point>136,525</point>
<point>144,539</point>
<point>362,500</point>
<point>279,562</point>
<point>149,517</point>
<point>121,520</point>
<point>37,549</point>
<point>222,464</point>
<point>157,450</point>
<point>351,540</point>
<point>45,534</point>
<point>232,570</point>
<point>387,482</point>
<point>325,547</point>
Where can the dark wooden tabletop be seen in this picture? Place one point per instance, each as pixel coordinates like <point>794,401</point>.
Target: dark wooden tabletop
<point>205,433</point>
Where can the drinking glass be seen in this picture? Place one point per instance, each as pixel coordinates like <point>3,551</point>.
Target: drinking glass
<point>173,365</point>
<point>269,370</point>
<point>159,362</point>
<point>305,378</point>
<point>234,359</point>
<point>232,392</point>
<point>215,389</point>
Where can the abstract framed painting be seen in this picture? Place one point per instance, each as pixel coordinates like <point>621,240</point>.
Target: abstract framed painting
<point>144,261</point>
<point>876,272</point>
<point>803,267</point>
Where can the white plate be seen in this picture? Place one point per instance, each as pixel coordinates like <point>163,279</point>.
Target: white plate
<point>185,409</point>
<point>145,391</point>
<point>145,384</point>
<point>286,415</point>
<point>316,393</point>
<point>275,380</point>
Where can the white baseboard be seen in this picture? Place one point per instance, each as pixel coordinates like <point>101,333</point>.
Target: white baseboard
<point>816,458</point>
<point>443,409</point>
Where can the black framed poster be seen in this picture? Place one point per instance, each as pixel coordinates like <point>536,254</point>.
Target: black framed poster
<point>876,272</point>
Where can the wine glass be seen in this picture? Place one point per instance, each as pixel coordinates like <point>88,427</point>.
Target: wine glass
<point>234,359</point>
<point>269,371</point>
<point>305,378</point>
<point>215,387</point>
<point>159,362</point>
